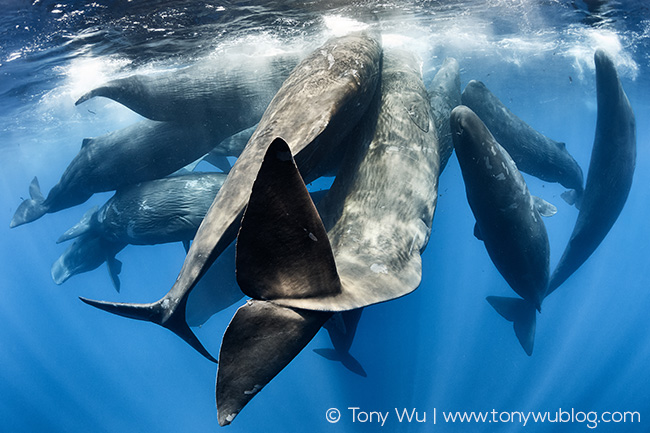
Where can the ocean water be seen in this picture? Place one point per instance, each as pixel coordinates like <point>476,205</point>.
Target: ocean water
<point>67,367</point>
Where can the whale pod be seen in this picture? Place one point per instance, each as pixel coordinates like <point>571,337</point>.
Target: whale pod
<point>315,109</point>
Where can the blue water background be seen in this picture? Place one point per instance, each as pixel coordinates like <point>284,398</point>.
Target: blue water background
<point>66,367</point>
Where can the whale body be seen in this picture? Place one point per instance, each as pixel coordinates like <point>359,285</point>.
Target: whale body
<point>611,171</point>
<point>508,220</point>
<point>300,268</point>
<point>141,152</point>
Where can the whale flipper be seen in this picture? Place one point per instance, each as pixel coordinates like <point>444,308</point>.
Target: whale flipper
<point>32,208</point>
<point>156,313</point>
<point>114,269</point>
<point>522,314</point>
<point>572,197</point>
<point>544,208</point>
<point>348,361</point>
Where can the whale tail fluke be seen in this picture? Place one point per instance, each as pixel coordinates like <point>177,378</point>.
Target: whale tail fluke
<point>261,339</point>
<point>85,97</point>
<point>130,92</point>
<point>348,361</point>
<point>106,91</point>
<point>282,253</point>
<point>342,328</point>
<point>32,208</point>
<point>83,226</point>
<point>120,90</point>
<point>156,313</point>
<point>282,238</point>
<point>522,314</point>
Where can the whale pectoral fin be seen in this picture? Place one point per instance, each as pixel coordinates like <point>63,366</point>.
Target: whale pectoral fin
<point>283,251</point>
<point>329,354</point>
<point>114,269</point>
<point>523,316</point>
<point>544,208</point>
<point>261,339</point>
<point>572,197</point>
<point>30,209</point>
<point>348,361</point>
<point>186,245</point>
<point>477,232</point>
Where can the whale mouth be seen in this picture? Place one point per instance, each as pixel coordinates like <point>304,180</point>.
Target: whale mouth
<point>460,129</point>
